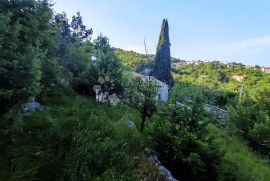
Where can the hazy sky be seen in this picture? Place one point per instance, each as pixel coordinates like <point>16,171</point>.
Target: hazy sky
<point>225,30</point>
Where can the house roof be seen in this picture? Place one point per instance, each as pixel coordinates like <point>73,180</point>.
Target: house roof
<point>147,78</point>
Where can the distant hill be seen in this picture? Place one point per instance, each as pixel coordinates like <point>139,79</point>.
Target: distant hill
<point>226,76</point>
<point>132,59</point>
<point>230,77</point>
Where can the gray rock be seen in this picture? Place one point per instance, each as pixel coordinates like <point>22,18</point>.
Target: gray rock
<point>166,173</point>
<point>154,160</point>
<point>131,124</point>
<point>32,106</point>
<point>162,170</point>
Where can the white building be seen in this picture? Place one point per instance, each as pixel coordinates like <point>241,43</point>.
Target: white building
<point>265,69</point>
<point>163,91</point>
<point>238,77</point>
<point>163,88</point>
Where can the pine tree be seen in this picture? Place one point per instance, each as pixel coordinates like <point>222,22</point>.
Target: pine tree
<point>162,67</point>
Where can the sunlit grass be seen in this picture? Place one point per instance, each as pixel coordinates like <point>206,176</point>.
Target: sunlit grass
<point>248,166</point>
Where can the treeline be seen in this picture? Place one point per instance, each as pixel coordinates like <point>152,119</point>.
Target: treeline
<point>216,74</point>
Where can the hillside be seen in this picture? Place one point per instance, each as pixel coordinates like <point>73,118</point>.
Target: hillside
<point>133,59</point>
<point>74,108</point>
<point>75,138</point>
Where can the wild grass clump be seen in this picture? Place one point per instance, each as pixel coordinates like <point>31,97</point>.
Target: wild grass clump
<point>243,163</point>
<point>78,140</point>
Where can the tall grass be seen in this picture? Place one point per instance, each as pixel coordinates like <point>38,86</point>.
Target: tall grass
<point>74,138</point>
<point>245,164</point>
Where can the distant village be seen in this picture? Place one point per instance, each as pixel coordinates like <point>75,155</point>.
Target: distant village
<point>227,64</point>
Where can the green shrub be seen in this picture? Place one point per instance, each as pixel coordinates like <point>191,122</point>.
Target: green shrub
<point>190,154</point>
<point>250,119</point>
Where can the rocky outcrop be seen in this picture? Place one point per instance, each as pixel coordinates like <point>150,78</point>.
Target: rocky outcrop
<point>163,171</point>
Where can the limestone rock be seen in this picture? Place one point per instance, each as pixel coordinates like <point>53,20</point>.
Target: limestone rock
<point>163,171</point>
<point>32,106</point>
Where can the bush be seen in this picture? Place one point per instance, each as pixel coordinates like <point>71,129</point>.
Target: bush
<point>250,119</point>
<point>190,155</point>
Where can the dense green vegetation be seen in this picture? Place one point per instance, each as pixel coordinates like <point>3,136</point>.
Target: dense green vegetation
<point>130,58</point>
<point>25,44</point>
<point>247,100</point>
<point>47,57</point>
<point>250,119</point>
<point>244,163</point>
<point>78,140</point>
<point>218,75</point>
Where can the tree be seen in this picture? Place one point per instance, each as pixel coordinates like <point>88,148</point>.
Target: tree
<point>79,29</point>
<point>62,35</point>
<point>61,23</point>
<point>25,42</point>
<point>141,94</point>
<point>77,58</point>
<point>162,67</point>
<point>102,43</point>
<point>191,99</point>
<point>103,64</point>
<point>250,119</point>
<point>107,65</point>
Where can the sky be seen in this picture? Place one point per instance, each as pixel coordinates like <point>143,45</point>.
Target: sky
<point>222,30</point>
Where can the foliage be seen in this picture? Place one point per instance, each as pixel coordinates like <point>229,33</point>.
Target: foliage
<point>187,92</point>
<point>79,140</point>
<point>79,30</point>
<point>102,64</point>
<point>25,43</point>
<point>131,59</point>
<point>141,94</point>
<point>77,58</point>
<point>102,43</point>
<point>73,48</point>
<point>74,138</point>
<point>240,163</point>
<point>250,119</point>
<point>184,147</point>
<point>162,65</point>
<point>216,75</point>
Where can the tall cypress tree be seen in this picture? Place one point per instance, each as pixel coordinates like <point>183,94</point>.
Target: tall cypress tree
<point>162,66</point>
